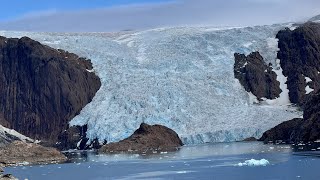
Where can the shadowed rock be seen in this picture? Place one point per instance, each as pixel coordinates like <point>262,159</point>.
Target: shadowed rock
<point>296,130</point>
<point>284,132</point>
<point>146,138</point>
<point>7,177</point>
<point>41,88</point>
<point>255,76</point>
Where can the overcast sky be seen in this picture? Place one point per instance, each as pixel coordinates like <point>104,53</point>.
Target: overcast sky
<point>98,15</point>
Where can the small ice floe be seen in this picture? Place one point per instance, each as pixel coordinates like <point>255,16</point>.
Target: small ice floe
<point>254,162</point>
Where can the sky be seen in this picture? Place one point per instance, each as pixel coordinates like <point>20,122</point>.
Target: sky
<point>12,9</point>
<point>118,15</point>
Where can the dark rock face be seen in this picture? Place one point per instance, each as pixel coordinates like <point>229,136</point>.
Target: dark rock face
<point>285,132</point>
<point>146,138</point>
<point>7,177</point>
<point>300,57</point>
<point>296,130</point>
<point>255,76</point>
<point>20,152</point>
<point>75,137</point>
<point>41,88</point>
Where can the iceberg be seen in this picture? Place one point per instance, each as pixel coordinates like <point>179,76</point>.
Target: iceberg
<point>254,162</point>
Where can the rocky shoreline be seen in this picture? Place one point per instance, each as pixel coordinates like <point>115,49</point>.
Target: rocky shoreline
<point>22,153</point>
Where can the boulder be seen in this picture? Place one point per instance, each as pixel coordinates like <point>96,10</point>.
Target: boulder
<point>146,138</point>
<point>255,76</point>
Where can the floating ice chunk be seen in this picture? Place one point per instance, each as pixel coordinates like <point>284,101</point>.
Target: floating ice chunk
<point>254,162</point>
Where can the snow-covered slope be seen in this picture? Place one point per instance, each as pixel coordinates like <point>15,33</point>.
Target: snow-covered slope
<point>8,135</point>
<point>178,77</point>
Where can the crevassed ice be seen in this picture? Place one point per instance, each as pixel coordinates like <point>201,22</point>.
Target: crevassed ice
<point>178,77</point>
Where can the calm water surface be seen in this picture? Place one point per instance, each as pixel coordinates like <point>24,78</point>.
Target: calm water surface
<point>209,161</point>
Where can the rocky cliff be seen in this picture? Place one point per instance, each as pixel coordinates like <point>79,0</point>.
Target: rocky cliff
<point>299,56</point>
<point>41,88</point>
<point>255,76</point>
<point>296,130</point>
<point>146,138</point>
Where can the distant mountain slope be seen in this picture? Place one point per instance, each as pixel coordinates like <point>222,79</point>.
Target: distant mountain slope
<point>315,18</point>
<point>41,88</point>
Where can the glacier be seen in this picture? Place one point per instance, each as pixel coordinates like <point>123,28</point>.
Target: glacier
<point>180,77</point>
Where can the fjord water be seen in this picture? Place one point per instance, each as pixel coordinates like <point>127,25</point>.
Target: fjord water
<point>207,161</point>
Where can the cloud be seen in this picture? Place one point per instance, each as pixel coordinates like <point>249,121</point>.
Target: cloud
<point>177,13</point>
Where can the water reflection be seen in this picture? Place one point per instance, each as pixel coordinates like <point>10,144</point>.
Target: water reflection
<point>184,153</point>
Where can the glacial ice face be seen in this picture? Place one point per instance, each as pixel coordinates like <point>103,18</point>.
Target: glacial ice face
<point>178,77</point>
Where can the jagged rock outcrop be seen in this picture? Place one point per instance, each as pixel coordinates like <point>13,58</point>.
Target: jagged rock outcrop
<point>284,132</point>
<point>146,138</point>
<point>19,152</point>
<point>75,137</point>
<point>296,130</point>
<point>7,177</point>
<point>299,56</point>
<point>255,76</point>
<point>41,88</point>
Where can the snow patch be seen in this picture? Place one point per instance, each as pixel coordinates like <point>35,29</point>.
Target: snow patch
<point>252,98</point>
<point>12,132</point>
<point>254,162</point>
<point>244,65</point>
<point>292,27</point>
<point>90,70</point>
<point>308,89</point>
<point>283,98</point>
<point>307,79</point>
